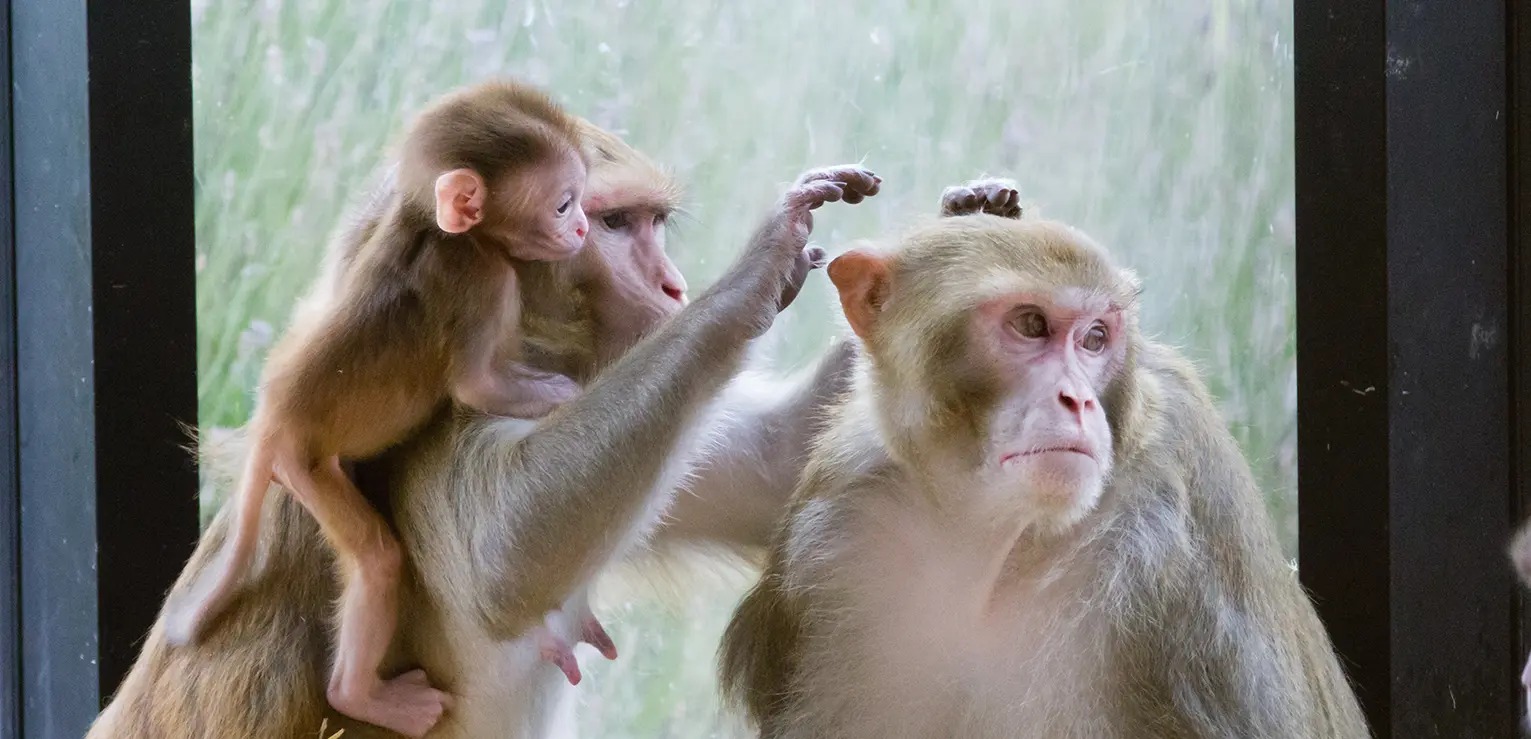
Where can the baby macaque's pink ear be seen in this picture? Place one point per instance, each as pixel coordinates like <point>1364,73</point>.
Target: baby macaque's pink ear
<point>862,278</point>
<point>459,200</point>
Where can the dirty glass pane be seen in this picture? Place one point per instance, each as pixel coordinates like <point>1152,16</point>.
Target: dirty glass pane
<point>1162,128</point>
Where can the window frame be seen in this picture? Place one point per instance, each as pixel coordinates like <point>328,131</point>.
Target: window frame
<point>1412,304</point>
<point>100,512</point>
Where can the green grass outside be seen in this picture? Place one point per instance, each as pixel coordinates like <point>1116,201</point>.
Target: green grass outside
<point>1162,128</point>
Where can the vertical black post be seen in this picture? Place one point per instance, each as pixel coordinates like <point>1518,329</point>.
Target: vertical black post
<point>1404,344</point>
<point>10,493</point>
<point>1520,275</point>
<point>1342,362</point>
<point>106,326</point>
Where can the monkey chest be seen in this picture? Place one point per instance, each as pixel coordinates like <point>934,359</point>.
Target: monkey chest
<point>927,630</point>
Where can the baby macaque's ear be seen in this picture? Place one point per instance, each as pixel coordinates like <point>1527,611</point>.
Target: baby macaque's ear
<point>862,279</point>
<point>459,200</point>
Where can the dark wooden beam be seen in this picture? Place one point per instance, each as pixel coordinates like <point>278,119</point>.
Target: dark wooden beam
<point>1405,411</point>
<point>106,327</point>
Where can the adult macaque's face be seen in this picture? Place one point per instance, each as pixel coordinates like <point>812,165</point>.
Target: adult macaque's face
<point>1052,355</point>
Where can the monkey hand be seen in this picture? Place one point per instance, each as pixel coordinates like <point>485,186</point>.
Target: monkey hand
<point>808,259</point>
<point>994,196</point>
<point>812,189</point>
<point>772,269</point>
<point>816,187</point>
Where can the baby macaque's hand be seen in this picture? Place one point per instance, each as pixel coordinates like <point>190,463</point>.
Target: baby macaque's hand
<point>997,197</point>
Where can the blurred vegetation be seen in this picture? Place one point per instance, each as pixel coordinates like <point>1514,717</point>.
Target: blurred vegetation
<point>1162,128</point>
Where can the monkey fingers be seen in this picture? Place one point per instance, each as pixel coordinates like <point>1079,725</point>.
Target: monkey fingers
<point>997,197</point>
<point>555,649</point>
<point>849,182</point>
<point>810,259</point>
<point>592,633</point>
<point>826,185</point>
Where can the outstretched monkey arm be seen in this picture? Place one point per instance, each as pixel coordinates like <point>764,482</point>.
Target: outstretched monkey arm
<point>739,490</point>
<point>543,512</point>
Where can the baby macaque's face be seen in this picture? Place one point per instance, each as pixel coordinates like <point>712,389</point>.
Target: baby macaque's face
<point>554,224</point>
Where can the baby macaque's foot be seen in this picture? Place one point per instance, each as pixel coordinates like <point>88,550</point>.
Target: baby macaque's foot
<point>997,197</point>
<point>534,394</point>
<point>406,705</point>
<point>554,649</point>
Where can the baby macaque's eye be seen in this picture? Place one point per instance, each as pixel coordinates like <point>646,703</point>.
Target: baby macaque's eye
<point>1095,339</point>
<point>615,220</point>
<point>562,209</point>
<point>1030,323</point>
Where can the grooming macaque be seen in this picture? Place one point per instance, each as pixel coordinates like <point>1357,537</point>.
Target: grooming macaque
<point>1025,520</point>
<point>490,175</point>
<point>504,520</point>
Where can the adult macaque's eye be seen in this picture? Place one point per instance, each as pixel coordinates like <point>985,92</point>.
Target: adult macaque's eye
<point>1030,323</point>
<point>1095,339</point>
<point>615,220</point>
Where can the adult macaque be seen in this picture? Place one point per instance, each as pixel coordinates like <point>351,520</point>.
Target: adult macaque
<point>504,520</point>
<point>1026,520</point>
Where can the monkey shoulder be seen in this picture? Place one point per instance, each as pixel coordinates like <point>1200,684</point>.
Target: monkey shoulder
<point>835,501</point>
<point>1192,550</point>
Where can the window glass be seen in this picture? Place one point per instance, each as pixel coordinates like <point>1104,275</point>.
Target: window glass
<point>1164,129</point>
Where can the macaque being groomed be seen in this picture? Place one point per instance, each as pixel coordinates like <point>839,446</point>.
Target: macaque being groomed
<point>425,311</point>
<point>1025,520</point>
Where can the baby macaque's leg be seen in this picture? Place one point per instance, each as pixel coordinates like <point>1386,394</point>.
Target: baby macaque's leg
<point>372,560</point>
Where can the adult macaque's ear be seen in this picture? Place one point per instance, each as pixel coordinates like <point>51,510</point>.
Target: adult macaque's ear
<point>862,279</point>
<point>459,200</point>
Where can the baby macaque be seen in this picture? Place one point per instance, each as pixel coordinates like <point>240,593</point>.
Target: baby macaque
<point>427,310</point>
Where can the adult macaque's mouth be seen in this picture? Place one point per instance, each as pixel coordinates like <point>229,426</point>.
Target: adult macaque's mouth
<point>1015,456</point>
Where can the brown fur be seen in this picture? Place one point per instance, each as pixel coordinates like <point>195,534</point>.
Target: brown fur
<point>498,526</point>
<point>1167,611</point>
<point>417,315</point>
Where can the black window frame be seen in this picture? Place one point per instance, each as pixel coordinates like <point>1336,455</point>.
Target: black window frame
<point>1411,340</point>
<point>1413,135</point>
<point>99,499</point>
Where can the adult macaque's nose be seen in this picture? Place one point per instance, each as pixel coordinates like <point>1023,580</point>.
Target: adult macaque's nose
<point>1076,400</point>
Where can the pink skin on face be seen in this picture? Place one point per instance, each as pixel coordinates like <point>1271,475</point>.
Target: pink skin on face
<point>1056,351</point>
